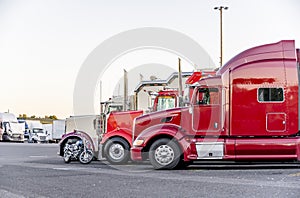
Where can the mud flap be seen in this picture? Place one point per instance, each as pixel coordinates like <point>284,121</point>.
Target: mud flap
<point>100,150</point>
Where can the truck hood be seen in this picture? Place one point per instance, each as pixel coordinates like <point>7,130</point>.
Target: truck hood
<point>170,116</point>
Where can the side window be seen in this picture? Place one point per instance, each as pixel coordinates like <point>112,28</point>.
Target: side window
<point>270,95</point>
<point>207,96</point>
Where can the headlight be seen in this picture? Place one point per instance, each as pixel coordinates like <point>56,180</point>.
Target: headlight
<point>138,142</point>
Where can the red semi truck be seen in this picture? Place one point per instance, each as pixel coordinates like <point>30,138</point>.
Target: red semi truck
<point>117,137</point>
<point>248,111</point>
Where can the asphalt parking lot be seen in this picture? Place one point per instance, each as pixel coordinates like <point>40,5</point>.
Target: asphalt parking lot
<point>35,170</point>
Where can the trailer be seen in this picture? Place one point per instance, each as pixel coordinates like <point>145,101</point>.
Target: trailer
<point>248,111</point>
<point>58,130</point>
<point>48,131</point>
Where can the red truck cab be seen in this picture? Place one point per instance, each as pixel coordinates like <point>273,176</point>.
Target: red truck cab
<point>248,111</point>
<point>117,134</point>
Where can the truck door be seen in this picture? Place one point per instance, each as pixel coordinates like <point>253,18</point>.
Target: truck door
<point>207,110</point>
<point>275,121</point>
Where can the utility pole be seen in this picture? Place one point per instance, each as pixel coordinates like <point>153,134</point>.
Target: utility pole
<point>125,90</point>
<point>180,83</point>
<point>220,8</point>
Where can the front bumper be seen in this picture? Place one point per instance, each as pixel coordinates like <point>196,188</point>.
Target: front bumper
<point>136,153</point>
<point>13,138</point>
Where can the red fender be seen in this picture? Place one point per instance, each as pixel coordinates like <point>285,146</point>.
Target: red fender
<point>171,130</point>
<point>122,133</point>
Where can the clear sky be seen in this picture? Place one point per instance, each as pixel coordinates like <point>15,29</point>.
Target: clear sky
<point>43,43</point>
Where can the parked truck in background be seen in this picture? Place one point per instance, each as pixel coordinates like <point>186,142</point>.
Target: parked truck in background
<point>10,128</point>
<point>37,134</point>
<point>25,128</point>
<point>248,111</point>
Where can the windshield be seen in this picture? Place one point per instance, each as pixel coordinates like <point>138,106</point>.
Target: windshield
<point>37,130</point>
<point>115,108</point>
<point>106,107</point>
<point>165,102</point>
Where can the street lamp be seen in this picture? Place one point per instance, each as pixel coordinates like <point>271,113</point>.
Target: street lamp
<point>220,8</point>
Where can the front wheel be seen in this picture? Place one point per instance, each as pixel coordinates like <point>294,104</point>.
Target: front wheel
<point>117,151</point>
<point>86,156</point>
<point>67,157</point>
<point>164,154</point>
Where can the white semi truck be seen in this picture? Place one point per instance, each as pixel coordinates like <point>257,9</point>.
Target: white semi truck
<point>37,134</point>
<point>10,129</point>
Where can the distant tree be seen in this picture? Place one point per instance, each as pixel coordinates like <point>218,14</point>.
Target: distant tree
<point>23,116</point>
<point>53,117</point>
<point>33,116</point>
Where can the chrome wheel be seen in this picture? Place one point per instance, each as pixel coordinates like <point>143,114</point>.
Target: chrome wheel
<point>86,157</point>
<point>116,151</point>
<point>164,154</point>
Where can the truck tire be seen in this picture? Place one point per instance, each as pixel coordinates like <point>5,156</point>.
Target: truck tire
<point>117,151</point>
<point>164,154</point>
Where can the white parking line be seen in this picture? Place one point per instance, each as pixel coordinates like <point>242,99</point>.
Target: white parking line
<point>72,168</point>
<point>38,156</point>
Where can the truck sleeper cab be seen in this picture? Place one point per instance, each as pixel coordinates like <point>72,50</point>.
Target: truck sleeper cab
<point>248,111</point>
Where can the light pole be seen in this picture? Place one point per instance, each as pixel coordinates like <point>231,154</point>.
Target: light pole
<point>220,8</point>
